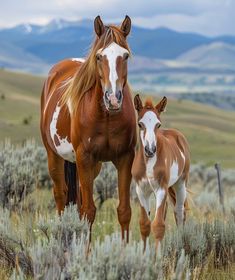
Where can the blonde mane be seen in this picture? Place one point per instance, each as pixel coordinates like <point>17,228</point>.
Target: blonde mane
<point>85,78</point>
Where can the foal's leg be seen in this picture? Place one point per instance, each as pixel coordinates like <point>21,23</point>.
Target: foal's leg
<point>158,224</point>
<point>144,222</point>
<point>145,225</point>
<point>56,171</point>
<point>180,193</point>
<point>123,166</point>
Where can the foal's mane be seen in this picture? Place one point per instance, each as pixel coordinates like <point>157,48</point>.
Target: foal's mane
<point>85,77</point>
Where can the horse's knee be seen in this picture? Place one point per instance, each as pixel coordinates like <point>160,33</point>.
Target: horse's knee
<point>124,215</point>
<point>158,230</point>
<point>145,228</point>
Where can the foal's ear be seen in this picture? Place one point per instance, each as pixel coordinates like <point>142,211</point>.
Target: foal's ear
<point>99,26</point>
<point>138,103</point>
<point>161,105</point>
<point>126,26</point>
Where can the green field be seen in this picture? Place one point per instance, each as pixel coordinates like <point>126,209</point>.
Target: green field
<point>210,131</point>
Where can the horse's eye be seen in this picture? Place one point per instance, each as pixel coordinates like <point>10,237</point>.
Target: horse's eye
<point>126,55</point>
<point>98,57</point>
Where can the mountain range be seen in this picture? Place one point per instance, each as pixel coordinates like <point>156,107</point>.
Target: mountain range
<point>33,48</point>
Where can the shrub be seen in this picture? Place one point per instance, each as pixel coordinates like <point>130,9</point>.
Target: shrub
<point>21,169</point>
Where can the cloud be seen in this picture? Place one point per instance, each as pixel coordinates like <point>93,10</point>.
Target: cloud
<point>211,17</point>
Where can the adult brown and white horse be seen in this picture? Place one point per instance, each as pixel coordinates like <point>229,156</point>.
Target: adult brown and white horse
<point>88,117</point>
<point>161,166</point>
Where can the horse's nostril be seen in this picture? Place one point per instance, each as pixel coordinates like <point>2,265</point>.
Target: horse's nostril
<point>119,95</point>
<point>154,149</point>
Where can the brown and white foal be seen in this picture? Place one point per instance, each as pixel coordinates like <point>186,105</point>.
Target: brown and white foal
<point>161,166</point>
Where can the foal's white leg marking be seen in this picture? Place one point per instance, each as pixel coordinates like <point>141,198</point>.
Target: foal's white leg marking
<point>180,192</point>
<point>112,52</point>
<point>64,149</point>
<point>144,199</point>
<point>160,195</point>
<point>173,174</point>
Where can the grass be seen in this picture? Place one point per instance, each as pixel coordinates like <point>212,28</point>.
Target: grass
<point>40,205</point>
<point>210,131</point>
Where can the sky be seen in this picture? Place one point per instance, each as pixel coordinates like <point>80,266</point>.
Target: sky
<point>208,17</point>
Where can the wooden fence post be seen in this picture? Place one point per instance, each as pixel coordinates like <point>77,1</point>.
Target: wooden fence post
<point>220,186</point>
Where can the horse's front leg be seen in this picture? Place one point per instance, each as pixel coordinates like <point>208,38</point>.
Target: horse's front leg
<point>158,224</point>
<point>123,165</point>
<point>87,169</point>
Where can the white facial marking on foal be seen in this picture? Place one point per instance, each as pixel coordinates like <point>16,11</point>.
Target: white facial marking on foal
<point>149,120</point>
<point>112,52</point>
<point>173,174</point>
<point>64,149</point>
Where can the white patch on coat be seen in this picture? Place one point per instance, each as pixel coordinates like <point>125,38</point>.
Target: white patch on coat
<point>112,52</point>
<point>149,120</point>
<point>89,139</point>
<point>174,170</point>
<point>160,195</point>
<point>78,59</point>
<point>69,104</point>
<point>150,166</point>
<point>64,149</point>
<point>144,196</point>
<point>180,193</point>
<point>182,155</point>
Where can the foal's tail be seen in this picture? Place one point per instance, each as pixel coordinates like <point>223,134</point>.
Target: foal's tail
<point>71,180</point>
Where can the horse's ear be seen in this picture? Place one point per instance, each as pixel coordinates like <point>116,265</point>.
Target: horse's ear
<point>161,106</point>
<point>126,26</point>
<point>99,26</point>
<point>138,103</point>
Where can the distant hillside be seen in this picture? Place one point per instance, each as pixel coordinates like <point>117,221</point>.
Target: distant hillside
<point>210,131</point>
<point>216,54</point>
<point>63,39</point>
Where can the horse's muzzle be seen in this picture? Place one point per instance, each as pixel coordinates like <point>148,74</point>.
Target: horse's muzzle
<point>113,102</point>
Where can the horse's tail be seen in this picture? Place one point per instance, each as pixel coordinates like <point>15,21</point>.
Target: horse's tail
<point>71,180</point>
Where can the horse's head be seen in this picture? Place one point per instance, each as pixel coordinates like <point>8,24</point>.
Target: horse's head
<point>111,61</point>
<point>149,121</point>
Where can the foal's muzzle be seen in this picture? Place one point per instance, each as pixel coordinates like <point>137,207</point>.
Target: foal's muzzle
<point>150,152</point>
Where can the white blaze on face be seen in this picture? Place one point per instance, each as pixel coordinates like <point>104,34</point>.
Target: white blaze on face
<point>112,52</point>
<point>149,120</point>
<point>64,149</point>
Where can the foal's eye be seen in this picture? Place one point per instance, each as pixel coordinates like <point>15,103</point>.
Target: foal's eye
<point>158,125</point>
<point>141,126</point>
<point>126,55</point>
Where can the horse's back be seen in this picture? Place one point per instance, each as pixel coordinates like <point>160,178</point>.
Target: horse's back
<point>54,86</point>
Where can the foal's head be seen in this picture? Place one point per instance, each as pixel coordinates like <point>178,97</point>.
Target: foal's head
<point>111,60</point>
<point>149,122</point>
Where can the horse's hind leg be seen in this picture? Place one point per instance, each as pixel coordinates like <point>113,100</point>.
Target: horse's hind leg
<point>56,171</point>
